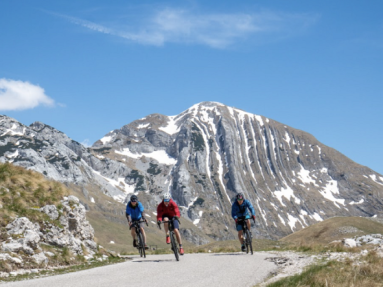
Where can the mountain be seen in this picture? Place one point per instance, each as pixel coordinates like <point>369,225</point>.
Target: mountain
<point>204,157</point>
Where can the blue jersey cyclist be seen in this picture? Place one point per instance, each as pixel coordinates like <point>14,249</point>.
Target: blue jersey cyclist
<point>240,209</point>
<point>134,211</point>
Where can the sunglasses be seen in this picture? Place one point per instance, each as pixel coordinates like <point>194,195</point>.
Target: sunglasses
<point>240,199</point>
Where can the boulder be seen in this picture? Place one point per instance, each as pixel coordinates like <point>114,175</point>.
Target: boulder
<point>73,199</point>
<point>12,247</point>
<point>51,211</point>
<point>40,259</point>
<point>7,257</point>
<point>31,239</point>
<point>19,225</point>
<point>348,242</point>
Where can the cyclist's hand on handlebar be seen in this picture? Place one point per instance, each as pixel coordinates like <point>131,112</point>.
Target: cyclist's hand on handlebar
<point>176,217</point>
<point>253,217</point>
<point>236,221</point>
<point>159,222</point>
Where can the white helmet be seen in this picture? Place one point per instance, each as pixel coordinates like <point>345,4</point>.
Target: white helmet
<point>167,196</point>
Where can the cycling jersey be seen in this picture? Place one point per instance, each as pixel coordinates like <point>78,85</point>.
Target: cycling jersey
<point>135,212</point>
<point>171,210</point>
<point>242,210</point>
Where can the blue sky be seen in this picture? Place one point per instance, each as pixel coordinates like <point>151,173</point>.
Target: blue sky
<point>88,67</point>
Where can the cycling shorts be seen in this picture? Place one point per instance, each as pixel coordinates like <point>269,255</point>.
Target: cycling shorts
<point>239,226</point>
<point>141,224</point>
<point>175,222</point>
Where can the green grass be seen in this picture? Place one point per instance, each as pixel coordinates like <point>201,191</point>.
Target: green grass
<point>366,271</point>
<point>23,191</point>
<point>328,230</point>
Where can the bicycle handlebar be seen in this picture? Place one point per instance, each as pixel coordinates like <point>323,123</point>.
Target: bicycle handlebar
<point>139,221</point>
<point>159,223</point>
<point>244,219</point>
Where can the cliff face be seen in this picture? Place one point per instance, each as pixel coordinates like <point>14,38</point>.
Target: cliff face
<point>204,156</point>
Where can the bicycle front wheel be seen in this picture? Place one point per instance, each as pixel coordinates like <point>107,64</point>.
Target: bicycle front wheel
<point>141,245</point>
<point>174,246</point>
<point>249,242</point>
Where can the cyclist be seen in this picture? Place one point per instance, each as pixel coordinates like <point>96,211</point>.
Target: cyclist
<point>167,210</point>
<point>134,212</point>
<point>240,209</point>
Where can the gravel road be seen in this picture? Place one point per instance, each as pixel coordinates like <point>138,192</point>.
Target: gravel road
<point>223,269</point>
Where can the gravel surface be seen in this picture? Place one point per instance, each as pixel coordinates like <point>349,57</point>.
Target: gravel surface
<point>289,263</point>
<point>223,269</point>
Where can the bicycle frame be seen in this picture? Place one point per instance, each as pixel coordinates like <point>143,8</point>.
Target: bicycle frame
<point>247,240</point>
<point>172,237</point>
<point>140,239</point>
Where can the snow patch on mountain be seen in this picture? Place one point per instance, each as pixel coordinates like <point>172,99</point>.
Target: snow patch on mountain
<point>172,127</point>
<point>159,155</point>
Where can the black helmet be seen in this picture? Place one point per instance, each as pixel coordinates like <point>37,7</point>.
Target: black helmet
<point>133,198</point>
<point>239,196</point>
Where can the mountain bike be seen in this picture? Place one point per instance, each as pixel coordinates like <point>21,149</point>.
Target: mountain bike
<point>172,235</point>
<point>140,237</point>
<point>247,239</point>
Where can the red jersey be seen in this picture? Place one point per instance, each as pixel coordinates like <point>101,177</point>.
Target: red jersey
<point>171,210</point>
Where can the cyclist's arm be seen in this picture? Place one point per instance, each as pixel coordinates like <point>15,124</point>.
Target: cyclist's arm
<point>159,213</point>
<point>176,210</point>
<point>251,208</point>
<point>234,211</point>
<point>128,213</point>
<point>141,208</point>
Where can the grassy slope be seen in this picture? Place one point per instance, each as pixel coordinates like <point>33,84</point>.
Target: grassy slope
<point>329,230</point>
<point>23,191</point>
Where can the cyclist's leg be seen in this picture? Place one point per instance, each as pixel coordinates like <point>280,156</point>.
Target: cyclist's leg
<point>133,232</point>
<point>240,236</point>
<point>143,234</point>
<point>248,224</point>
<point>177,231</point>
<point>166,226</point>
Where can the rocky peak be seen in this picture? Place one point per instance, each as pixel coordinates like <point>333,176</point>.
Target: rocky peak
<point>204,156</point>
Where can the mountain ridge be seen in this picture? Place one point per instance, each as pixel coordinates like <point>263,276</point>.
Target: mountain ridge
<point>210,152</point>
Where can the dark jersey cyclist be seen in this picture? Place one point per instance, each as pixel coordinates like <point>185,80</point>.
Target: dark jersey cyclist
<point>134,211</point>
<point>240,209</point>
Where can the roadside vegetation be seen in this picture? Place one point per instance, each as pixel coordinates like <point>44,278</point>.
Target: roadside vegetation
<point>364,270</point>
<point>23,192</point>
<point>357,266</point>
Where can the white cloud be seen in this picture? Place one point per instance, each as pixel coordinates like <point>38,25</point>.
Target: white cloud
<point>213,30</point>
<point>19,95</point>
<point>86,143</point>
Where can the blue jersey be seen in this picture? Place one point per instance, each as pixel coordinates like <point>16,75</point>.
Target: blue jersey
<point>135,212</point>
<point>242,210</point>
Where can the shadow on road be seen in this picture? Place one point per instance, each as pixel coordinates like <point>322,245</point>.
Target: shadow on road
<point>157,261</point>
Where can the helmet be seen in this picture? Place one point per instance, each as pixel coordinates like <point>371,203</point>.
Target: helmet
<point>133,198</point>
<point>167,197</point>
<point>239,196</point>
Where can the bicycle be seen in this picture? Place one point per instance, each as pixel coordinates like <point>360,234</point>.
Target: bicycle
<point>172,236</point>
<point>247,239</point>
<point>140,238</point>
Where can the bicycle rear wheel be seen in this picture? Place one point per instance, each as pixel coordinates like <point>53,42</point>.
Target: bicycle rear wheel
<point>141,245</point>
<point>174,245</point>
<point>249,242</point>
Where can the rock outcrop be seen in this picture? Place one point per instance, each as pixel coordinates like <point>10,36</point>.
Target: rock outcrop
<point>28,241</point>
